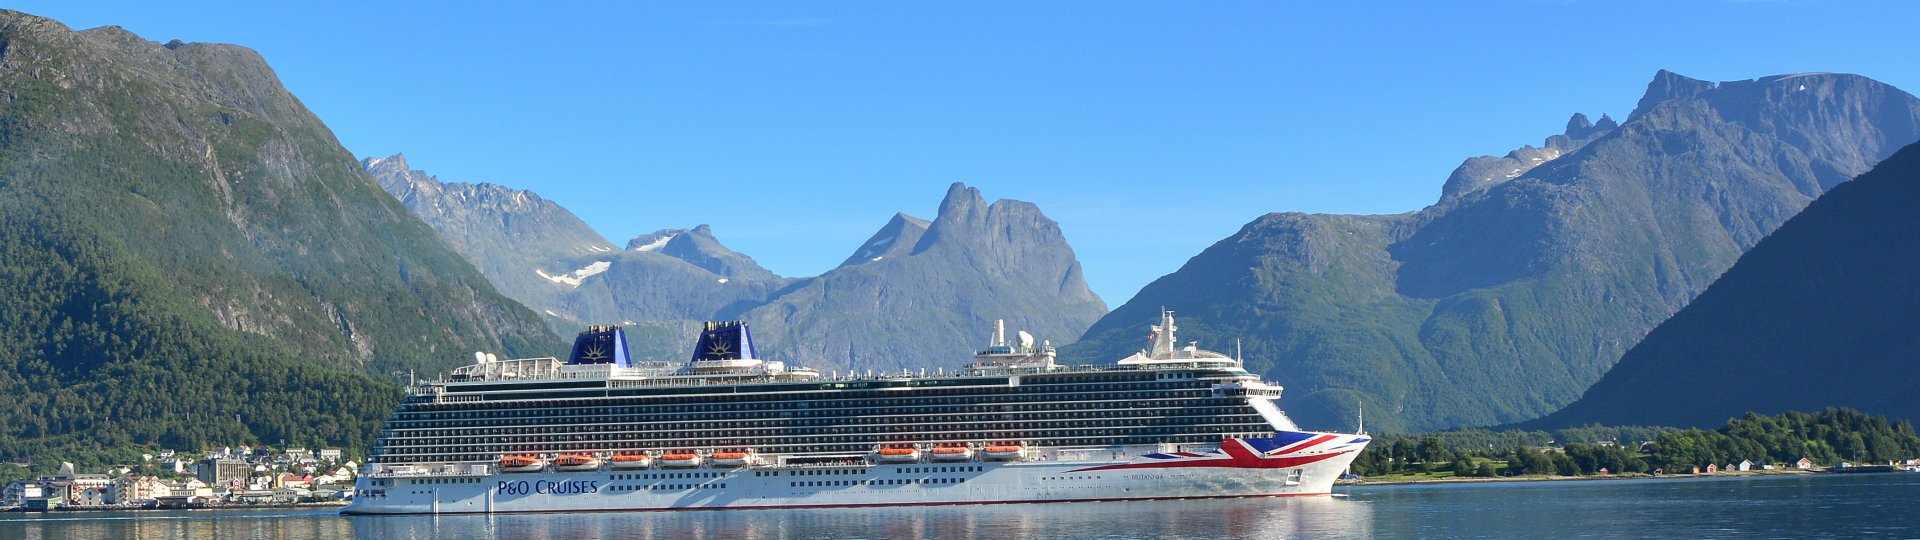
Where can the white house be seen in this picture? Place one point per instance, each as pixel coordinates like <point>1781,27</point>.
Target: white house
<point>1745,465</point>
<point>1804,463</point>
<point>19,491</point>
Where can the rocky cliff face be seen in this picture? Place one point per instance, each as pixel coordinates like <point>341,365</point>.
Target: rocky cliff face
<point>698,247</point>
<point>918,293</point>
<point>929,305</point>
<point>178,221</point>
<point>896,239</point>
<point>664,283</point>
<point>512,236</point>
<point>1529,278</point>
<point>1818,314</point>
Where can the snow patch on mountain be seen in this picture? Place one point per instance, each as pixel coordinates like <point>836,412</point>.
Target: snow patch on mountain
<point>575,277</point>
<point>657,243</point>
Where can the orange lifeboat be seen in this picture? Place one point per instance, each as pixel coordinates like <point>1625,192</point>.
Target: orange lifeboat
<point>521,464</point>
<point>1005,452</point>
<point>732,459</point>
<point>898,455</point>
<point>630,461</point>
<point>952,453</point>
<point>680,460</point>
<point>576,463</point>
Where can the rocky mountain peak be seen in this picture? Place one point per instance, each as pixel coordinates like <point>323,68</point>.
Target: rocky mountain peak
<point>1578,124</point>
<point>962,203</point>
<point>698,246</point>
<point>1667,86</point>
<point>1579,130</point>
<point>974,263</point>
<point>895,239</point>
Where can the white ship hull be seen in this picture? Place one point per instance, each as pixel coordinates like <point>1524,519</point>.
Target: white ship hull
<point>1301,465</point>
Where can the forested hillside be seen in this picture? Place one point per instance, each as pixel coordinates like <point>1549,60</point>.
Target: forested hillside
<point>190,257</point>
<point>1823,313</point>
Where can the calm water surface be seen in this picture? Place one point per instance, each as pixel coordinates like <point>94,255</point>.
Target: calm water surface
<point>1826,506</point>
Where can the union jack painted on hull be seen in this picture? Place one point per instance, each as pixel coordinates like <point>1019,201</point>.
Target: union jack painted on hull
<point>1287,449</point>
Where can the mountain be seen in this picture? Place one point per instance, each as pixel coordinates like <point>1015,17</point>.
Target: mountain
<point>189,256</point>
<point>896,239</point>
<point>698,247</point>
<point>1534,272</point>
<point>502,231</point>
<point>924,294</point>
<point>665,284</point>
<point>918,293</point>
<point>1819,314</point>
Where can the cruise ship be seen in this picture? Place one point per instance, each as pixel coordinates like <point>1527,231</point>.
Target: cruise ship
<point>728,430</point>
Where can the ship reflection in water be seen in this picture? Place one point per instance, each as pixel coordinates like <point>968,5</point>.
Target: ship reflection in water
<point>1301,517</point>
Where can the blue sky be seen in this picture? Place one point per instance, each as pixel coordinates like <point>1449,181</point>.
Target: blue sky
<point>1148,130</point>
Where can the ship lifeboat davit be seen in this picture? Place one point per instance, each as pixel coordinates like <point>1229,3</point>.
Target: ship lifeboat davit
<point>627,462</point>
<point>732,459</point>
<point>680,460</point>
<point>898,455</point>
<point>952,453</point>
<point>1004,452</point>
<point>521,464</point>
<point>576,463</point>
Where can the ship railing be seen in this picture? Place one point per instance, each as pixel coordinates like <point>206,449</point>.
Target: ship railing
<point>428,471</point>
<point>639,377</point>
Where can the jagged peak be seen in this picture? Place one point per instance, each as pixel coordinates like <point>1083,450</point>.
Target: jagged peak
<point>962,202</point>
<point>905,218</point>
<point>1580,129</point>
<point>653,241</point>
<point>1667,86</point>
<point>395,161</point>
<point>899,234</point>
<point>1578,123</point>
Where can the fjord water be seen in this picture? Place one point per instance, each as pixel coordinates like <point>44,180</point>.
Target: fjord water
<point>1812,506</point>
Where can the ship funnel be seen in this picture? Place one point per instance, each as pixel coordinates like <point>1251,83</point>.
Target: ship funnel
<point>601,345</point>
<point>725,341</point>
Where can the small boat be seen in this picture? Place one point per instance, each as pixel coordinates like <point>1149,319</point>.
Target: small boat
<point>898,455</point>
<point>576,463</point>
<point>1005,452</point>
<point>626,462</point>
<point>522,464</point>
<point>952,453</point>
<point>680,460</point>
<point>732,459</point>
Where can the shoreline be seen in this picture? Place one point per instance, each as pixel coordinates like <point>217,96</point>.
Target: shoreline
<point>1556,478</point>
<point>115,508</point>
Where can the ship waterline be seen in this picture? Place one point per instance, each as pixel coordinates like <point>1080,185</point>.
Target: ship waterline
<point>728,430</point>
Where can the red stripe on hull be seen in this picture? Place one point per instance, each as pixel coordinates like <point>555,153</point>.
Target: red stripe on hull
<point>862,505</point>
<point>1242,459</point>
<point>1309,443</point>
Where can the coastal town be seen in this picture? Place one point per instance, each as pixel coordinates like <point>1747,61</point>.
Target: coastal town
<point>226,477</point>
